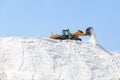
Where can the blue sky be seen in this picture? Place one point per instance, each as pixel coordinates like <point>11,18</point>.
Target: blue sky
<point>38,18</point>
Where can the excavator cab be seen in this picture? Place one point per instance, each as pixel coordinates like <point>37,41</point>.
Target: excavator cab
<point>65,34</point>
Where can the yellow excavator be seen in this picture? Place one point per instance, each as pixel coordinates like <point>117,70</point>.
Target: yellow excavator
<point>66,34</point>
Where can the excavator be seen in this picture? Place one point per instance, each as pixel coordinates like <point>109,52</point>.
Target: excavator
<point>66,34</point>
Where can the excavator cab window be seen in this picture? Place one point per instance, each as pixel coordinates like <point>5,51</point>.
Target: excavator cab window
<point>66,32</point>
